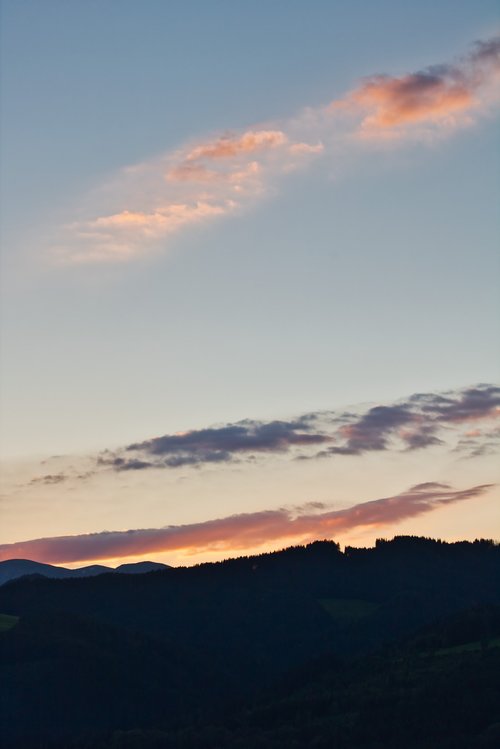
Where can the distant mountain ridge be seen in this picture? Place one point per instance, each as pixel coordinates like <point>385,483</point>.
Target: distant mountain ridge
<point>11,569</point>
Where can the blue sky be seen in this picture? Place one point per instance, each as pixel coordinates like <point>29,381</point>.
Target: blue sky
<point>360,271</point>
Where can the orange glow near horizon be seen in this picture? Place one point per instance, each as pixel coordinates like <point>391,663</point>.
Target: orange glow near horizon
<point>245,532</point>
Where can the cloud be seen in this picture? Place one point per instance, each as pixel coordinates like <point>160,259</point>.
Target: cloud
<point>468,405</point>
<point>371,431</point>
<point>439,96</point>
<point>243,531</point>
<point>213,445</point>
<point>298,148</point>
<point>146,204</point>
<point>230,145</point>
<point>423,436</point>
<point>428,485</point>
<point>175,191</point>
<point>422,421</point>
<point>120,236</point>
<point>420,97</point>
<point>384,428</point>
<point>120,464</point>
<point>49,478</point>
<point>188,172</point>
<point>477,443</point>
<point>462,422</point>
<point>414,423</point>
<point>244,436</point>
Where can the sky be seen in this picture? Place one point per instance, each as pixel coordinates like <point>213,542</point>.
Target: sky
<point>249,276</point>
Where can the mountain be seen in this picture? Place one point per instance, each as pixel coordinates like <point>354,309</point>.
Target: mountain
<point>12,569</point>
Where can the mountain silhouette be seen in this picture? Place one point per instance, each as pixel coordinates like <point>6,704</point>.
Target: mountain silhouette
<point>12,569</point>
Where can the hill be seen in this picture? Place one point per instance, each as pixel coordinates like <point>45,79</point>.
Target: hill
<point>176,653</point>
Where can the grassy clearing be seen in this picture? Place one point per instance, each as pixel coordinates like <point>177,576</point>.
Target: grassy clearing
<point>468,647</point>
<point>7,622</point>
<point>347,610</point>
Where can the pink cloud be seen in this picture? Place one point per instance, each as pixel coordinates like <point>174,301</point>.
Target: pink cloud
<point>154,199</point>
<point>120,236</point>
<point>305,148</point>
<point>441,96</point>
<point>230,146</point>
<point>411,99</point>
<point>192,172</point>
<point>243,531</point>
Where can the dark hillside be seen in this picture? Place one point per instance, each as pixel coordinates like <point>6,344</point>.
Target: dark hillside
<point>57,670</point>
<point>154,650</point>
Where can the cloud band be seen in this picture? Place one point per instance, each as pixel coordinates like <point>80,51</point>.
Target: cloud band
<point>243,531</point>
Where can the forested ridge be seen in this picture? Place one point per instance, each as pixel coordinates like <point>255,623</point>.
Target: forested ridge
<point>396,645</point>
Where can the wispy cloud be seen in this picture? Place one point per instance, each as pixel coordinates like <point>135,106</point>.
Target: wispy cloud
<point>462,422</point>
<point>122,236</point>
<point>421,421</point>
<point>228,146</point>
<point>190,186</point>
<point>148,203</point>
<point>477,443</point>
<point>50,479</point>
<point>244,531</point>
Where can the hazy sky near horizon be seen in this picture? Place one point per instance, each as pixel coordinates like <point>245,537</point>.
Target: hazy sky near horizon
<point>239,230</point>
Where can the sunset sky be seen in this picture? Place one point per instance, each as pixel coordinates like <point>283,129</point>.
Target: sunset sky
<point>250,276</point>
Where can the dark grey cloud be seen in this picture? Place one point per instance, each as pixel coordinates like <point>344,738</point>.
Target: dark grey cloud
<point>122,464</point>
<point>486,51</point>
<point>210,456</point>
<point>470,70</point>
<point>427,486</point>
<point>477,443</point>
<point>471,449</point>
<point>175,461</point>
<point>469,404</point>
<point>423,436</point>
<point>214,445</point>
<point>241,437</point>
<point>372,430</point>
<point>50,478</point>
<point>376,429</point>
<point>416,421</point>
<point>421,421</point>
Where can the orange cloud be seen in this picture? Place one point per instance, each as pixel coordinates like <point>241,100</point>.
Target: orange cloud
<point>300,148</point>
<point>207,179</point>
<point>442,95</point>
<point>239,177</point>
<point>229,146</point>
<point>411,99</point>
<point>244,531</point>
<point>189,172</point>
<point>161,221</point>
<point>120,236</point>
